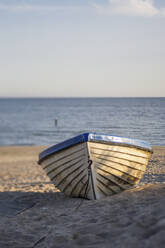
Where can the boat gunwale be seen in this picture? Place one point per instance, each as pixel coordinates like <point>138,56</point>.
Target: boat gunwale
<point>94,138</point>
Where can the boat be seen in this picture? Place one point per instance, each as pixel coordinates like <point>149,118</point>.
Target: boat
<point>94,166</point>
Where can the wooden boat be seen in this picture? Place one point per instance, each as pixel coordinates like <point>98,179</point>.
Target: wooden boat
<point>94,166</point>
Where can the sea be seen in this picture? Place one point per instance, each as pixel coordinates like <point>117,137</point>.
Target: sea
<point>47,121</point>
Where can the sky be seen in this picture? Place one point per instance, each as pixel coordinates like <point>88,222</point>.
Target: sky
<point>82,48</point>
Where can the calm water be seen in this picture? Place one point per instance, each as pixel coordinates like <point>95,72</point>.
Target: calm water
<point>32,121</point>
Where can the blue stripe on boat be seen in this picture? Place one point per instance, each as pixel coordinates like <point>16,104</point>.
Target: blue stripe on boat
<point>102,138</point>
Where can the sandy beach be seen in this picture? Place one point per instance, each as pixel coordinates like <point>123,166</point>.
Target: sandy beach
<point>33,213</point>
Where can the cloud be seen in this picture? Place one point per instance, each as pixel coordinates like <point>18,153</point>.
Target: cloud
<point>112,7</point>
<point>130,8</point>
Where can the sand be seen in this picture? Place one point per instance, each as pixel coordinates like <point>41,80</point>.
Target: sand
<point>33,213</point>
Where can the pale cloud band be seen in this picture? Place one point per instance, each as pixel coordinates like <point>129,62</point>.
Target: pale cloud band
<point>144,8</point>
<point>130,8</point>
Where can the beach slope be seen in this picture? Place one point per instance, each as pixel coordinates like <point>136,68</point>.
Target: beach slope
<point>33,213</point>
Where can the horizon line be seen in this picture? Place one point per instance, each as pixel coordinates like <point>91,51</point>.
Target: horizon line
<point>63,97</point>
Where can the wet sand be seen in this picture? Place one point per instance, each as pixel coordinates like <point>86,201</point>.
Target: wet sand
<point>33,213</point>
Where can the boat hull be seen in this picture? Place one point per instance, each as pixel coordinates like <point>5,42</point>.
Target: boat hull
<point>94,170</point>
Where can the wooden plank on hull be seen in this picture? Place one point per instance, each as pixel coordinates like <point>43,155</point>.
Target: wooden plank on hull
<point>101,193</point>
<point>77,185</point>
<point>121,149</point>
<point>63,154</point>
<point>61,172</point>
<point>85,190</point>
<point>121,168</point>
<point>133,165</point>
<point>125,177</point>
<point>115,180</point>
<point>63,159</point>
<point>107,188</point>
<point>64,168</point>
<point>119,155</point>
<point>64,162</point>
<point>66,180</point>
<point>74,180</point>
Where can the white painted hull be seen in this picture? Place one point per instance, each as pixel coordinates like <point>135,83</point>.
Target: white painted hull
<point>95,170</point>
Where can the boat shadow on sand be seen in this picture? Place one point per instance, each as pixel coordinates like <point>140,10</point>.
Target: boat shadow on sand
<point>13,203</point>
